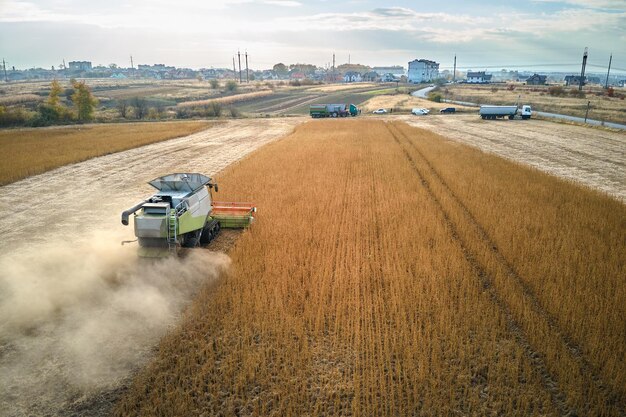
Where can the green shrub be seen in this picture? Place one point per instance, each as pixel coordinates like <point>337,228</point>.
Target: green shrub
<point>231,86</point>
<point>436,97</point>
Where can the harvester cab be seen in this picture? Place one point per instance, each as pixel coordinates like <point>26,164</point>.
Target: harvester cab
<point>182,214</point>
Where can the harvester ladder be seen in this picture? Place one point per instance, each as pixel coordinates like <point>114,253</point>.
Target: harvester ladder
<point>171,230</point>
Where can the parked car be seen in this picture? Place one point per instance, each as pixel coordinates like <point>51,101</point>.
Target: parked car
<point>448,110</point>
<point>380,111</point>
<point>419,112</point>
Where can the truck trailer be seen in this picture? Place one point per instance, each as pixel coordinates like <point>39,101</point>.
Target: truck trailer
<point>493,112</point>
<point>333,110</point>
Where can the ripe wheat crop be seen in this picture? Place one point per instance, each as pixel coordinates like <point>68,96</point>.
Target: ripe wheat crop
<point>391,272</point>
<point>33,151</point>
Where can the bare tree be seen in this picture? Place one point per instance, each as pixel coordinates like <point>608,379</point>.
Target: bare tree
<point>140,107</point>
<point>122,106</point>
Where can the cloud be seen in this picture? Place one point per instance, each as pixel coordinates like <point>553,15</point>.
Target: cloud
<point>24,11</point>
<point>590,4</point>
<point>203,34</point>
<point>283,3</point>
<point>454,28</point>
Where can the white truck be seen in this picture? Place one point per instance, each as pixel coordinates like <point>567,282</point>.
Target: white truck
<point>493,112</point>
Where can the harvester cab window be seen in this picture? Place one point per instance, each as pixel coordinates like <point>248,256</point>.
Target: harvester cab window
<point>166,199</point>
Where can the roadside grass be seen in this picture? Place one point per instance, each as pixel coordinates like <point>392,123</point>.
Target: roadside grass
<point>34,151</point>
<point>393,272</point>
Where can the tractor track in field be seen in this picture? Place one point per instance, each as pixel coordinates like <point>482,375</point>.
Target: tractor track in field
<point>576,352</point>
<point>574,349</point>
<point>549,382</point>
<point>589,156</point>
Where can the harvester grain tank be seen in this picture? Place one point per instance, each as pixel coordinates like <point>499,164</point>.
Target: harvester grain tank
<point>182,214</point>
<point>493,112</point>
<point>333,110</point>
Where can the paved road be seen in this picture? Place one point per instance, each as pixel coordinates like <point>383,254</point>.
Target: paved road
<point>423,93</point>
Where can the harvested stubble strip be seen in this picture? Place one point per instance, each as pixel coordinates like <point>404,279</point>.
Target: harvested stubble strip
<point>228,99</point>
<point>347,297</point>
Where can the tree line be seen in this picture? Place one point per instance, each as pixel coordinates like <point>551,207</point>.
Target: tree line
<point>53,110</point>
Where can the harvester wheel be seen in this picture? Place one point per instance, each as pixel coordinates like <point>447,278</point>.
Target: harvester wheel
<point>191,239</point>
<point>334,114</point>
<point>209,232</point>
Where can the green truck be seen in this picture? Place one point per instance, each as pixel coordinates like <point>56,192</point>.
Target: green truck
<point>333,110</point>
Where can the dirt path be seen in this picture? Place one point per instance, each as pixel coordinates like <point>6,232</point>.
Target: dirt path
<point>75,200</point>
<point>593,157</point>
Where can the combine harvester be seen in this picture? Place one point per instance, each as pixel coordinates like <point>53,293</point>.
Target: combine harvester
<point>182,214</point>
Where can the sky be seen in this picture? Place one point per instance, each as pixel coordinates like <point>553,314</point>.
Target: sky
<point>541,35</point>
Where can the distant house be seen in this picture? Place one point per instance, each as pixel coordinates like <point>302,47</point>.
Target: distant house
<point>80,65</point>
<point>389,78</point>
<point>423,70</point>
<point>370,76</point>
<point>269,75</point>
<point>297,75</point>
<point>594,80</point>
<point>478,77</point>
<point>621,83</point>
<point>396,70</point>
<point>536,79</point>
<point>155,68</point>
<point>352,77</point>
<point>574,80</point>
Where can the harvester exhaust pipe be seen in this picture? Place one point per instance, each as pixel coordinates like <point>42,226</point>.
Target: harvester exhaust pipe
<point>131,210</point>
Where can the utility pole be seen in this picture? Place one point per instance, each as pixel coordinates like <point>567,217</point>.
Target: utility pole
<point>333,67</point>
<point>240,75</point>
<point>606,85</point>
<point>587,112</point>
<point>4,66</point>
<point>454,71</point>
<point>582,71</point>
<point>247,74</point>
<point>64,67</point>
<point>132,66</point>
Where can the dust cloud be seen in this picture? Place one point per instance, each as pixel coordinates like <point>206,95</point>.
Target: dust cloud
<point>77,317</point>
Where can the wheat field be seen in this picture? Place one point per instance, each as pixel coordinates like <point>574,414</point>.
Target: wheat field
<point>392,272</point>
<point>33,151</point>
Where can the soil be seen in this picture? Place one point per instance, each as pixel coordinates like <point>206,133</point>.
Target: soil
<point>590,156</point>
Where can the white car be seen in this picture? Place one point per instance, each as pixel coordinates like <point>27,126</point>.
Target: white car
<point>380,111</point>
<point>420,112</point>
